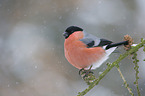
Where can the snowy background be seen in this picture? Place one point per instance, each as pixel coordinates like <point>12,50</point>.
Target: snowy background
<point>32,61</point>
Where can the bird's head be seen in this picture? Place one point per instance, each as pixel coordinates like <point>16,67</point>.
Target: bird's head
<point>71,30</point>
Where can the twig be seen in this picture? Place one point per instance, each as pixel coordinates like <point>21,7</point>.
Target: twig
<point>143,49</point>
<point>136,72</point>
<point>125,82</point>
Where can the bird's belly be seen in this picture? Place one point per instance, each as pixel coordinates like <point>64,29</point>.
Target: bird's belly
<point>84,57</point>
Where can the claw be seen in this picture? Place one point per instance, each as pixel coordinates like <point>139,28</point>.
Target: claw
<point>81,71</point>
<point>85,73</point>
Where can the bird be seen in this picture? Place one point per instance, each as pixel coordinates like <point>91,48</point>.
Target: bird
<point>86,51</point>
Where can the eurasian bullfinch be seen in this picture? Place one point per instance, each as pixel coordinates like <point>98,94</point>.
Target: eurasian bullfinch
<point>85,51</point>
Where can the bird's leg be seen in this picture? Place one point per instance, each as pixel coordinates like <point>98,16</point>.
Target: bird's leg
<point>90,67</point>
<point>89,71</point>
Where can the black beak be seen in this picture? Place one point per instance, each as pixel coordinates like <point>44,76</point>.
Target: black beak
<point>66,35</point>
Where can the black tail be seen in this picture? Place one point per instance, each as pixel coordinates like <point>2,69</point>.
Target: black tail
<point>116,44</point>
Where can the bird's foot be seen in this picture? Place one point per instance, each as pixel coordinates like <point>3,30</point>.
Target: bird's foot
<point>87,76</point>
<point>85,73</point>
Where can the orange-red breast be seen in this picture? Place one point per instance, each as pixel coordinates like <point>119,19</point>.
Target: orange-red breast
<point>83,50</point>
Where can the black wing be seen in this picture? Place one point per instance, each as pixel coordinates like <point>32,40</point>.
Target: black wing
<point>104,42</point>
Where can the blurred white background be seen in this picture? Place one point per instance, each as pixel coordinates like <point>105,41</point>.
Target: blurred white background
<point>32,61</point>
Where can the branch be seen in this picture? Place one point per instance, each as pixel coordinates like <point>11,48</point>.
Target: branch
<point>110,66</point>
<point>125,82</point>
<point>136,72</point>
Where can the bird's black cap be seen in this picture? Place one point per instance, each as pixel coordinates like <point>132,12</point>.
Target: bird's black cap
<point>71,30</point>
